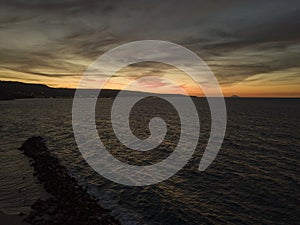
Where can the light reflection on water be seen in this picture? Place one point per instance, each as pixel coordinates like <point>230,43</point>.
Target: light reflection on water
<point>254,179</point>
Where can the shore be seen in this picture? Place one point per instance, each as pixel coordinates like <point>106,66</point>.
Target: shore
<point>69,203</point>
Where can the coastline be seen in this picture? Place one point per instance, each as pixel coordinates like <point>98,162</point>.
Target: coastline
<point>69,203</point>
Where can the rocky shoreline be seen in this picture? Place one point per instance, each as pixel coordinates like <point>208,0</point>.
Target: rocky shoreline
<point>69,203</point>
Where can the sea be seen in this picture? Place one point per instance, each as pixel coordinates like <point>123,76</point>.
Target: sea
<point>253,180</point>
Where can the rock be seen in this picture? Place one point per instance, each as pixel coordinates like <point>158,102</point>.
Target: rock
<point>70,203</point>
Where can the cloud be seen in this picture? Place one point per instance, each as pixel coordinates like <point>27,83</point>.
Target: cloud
<point>151,83</point>
<point>237,39</point>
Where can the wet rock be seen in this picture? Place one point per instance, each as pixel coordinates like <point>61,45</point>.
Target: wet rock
<point>70,204</point>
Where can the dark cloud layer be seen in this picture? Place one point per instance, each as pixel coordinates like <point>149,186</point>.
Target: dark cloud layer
<point>238,39</point>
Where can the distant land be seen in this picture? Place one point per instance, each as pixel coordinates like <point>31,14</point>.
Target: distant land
<point>10,90</point>
<point>14,90</point>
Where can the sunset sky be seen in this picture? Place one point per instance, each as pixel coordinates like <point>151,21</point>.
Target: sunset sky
<point>253,47</point>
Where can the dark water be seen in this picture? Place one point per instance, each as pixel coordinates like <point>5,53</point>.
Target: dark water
<point>253,180</point>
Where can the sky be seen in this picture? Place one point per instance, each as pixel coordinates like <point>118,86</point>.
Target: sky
<point>252,47</point>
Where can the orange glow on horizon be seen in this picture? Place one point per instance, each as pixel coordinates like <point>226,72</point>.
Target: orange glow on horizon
<point>247,88</point>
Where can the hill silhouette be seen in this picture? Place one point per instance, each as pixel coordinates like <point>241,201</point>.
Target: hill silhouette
<point>15,90</point>
<point>10,90</point>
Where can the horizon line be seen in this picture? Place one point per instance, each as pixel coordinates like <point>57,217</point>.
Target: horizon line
<point>234,96</point>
